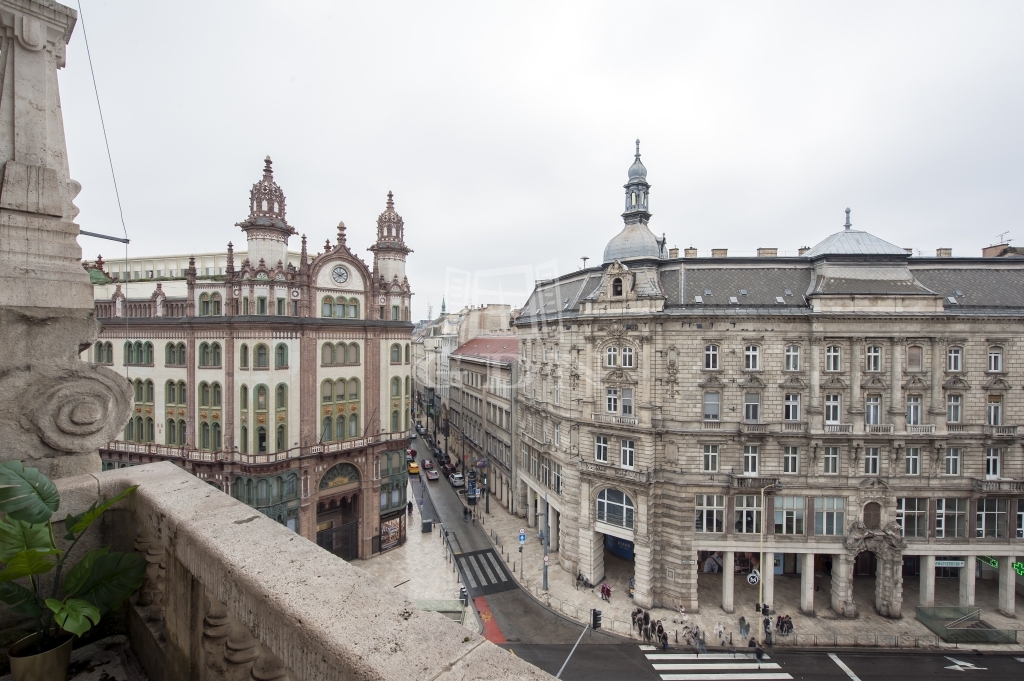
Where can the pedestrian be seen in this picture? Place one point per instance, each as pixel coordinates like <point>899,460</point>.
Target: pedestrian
<point>664,641</point>
<point>409,507</point>
<point>647,618</point>
<point>744,628</point>
<point>751,643</point>
<point>465,514</point>
<point>633,617</point>
<point>759,654</point>
<point>661,630</point>
<point>701,647</point>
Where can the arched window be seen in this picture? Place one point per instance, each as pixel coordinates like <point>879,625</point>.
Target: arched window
<point>98,353</point>
<point>406,353</point>
<point>262,356</point>
<point>353,308</point>
<point>172,432</point>
<point>407,381</point>
<point>204,435</point>
<point>281,401</point>
<point>243,445</point>
<point>282,440</point>
<point>171,393</point>
<point>327,431</point>
<point>181,433</point>
<point>261,398</point>
<point>215,354</point>
<point>352,354</point>
<point>243,356</point>
<point>327,307</point>
<point>615,508</point>
<point>339,389</point>
<point>261,440</point>
<point>216,402</point>
<point>215,304</point>
<point>327,391</point>
<point>327,354</point>
<point>181,354</point>
<point>140,395</point>
<point>394,421</point>
<point>129,353</point>
<point>204,355</point>
<point>243,397</point>
<point>149,392</point>
<point>281,356</point>
<point>353,425</point>
<point>182,393</point>
<point>611,356</point>
<point>150,431</point>
<point>204,305</point>
<point>147,353</point>
<point>396,354</point>
<point>617,287</point>
<point>129,431</point>
<point>396,387</point>
<point>339,428</point>
<point>171,354</point>
<point>217,440</point>
<point>353,389</point>
<point>204,394</point>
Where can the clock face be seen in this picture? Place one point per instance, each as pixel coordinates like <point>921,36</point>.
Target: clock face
<point>339,274</point>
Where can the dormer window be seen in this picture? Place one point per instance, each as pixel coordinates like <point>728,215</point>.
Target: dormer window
<point>617,287</point>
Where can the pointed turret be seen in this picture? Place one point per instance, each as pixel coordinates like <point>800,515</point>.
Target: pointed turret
<point>390,250</point>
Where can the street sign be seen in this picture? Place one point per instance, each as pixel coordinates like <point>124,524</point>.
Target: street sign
<point>949,563</point>
<point>754,577</point>
<point>545,559</point>
<point>522,539</point>
<point>522,531</point>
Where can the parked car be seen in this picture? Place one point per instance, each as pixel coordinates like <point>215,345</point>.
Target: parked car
<point>414,468</point>
<point>428,464</point>
<point>433,475</point>
<point>411,452</point>
<point>457,480</point>
<point>437,451</point>
<point>448,469</point>
<point>412,436</point>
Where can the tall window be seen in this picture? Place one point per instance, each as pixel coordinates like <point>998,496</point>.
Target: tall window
<point>871,458</point>
<point>627,358</point>
<point>626,449</point>
<point>915,358</point>
<point>601,448</point>
<point>994,414</point>
<point>615,508</point>
<point>792,358</point>
<point>913,459</point>
<point>829,513</point>
<point>791,460</point>
<point>951,518</point>
<point>750,460</point>
<point>874,358</point>
<point>752,407</point>
<point>262,357</point>
<point>243,357</point>
<point>710,356</point>
<point>953,460</point>
<point>712,406</point>
<point>396,354</point>
<point>710,513</point>
<point>711,458</point>
<point>993,462</point>
<point>995,359</point>
<point>955,359</point>
<point>611,356</point>
<point>791,407</point>
<point>833,358</point>
<point>281,356</point>
<point>789,515</point>
<point>912,516</point>
<point>913,410</point>
<point>831,461</point>
<point>327,307</point>
<point>833,413</point>
<point>954,410</point>
<point>611,400</point>
<point>873,410</point>
<point>627,401</point>
<point>991,518</point>
<point>751,357</point>
<point>748,514</point>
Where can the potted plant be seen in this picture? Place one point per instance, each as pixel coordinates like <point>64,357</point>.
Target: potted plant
<point>80,593</point>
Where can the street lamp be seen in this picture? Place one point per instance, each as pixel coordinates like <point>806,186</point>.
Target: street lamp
<point>760,582</point>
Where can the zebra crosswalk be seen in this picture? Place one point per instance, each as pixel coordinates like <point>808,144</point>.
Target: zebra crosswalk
<point>715,667</point>
<point>484,572</point>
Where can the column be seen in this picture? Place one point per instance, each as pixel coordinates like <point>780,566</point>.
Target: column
<point>842,585</point>
<point>815,363</point>
<point>531,511</point>
<point>1007,585</point>
<point>967,573</point>
<point>856,345</point>
<point>728,577</point>
<point>937,409</point>
<point>643,558</point>
<point>927,597</point>
<point>553,541</point>
<point>807,583</point>
<point>768,578</point>
<point>896,414</point>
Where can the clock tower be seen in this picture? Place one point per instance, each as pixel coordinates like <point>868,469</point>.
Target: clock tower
<point>390,250</point>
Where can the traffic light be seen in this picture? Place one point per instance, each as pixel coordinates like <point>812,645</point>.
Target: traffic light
<point>595,619</point>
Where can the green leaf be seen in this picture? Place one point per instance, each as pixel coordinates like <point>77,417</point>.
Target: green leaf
<point>114,577</point>
<point>74,616</point>
<point>21,601</point>
<point>81,522</point>
<point>26,494</point>
<point>27,563</point>
<point>17,536</point>
<point>79,573</point>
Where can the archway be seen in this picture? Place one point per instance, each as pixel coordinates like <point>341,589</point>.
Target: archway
<point>884,561</point>
<point>337,511</point>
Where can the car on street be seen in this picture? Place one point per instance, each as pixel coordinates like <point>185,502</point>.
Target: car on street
<point>448,469</point>
<point>414,468</point>
<point>411,452</point>
<point>412,436</point>
<point>428,464</point>
<point>433,475</point>
<point>457,480</point>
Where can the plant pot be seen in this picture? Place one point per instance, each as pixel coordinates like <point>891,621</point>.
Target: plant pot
<point>51,665</point>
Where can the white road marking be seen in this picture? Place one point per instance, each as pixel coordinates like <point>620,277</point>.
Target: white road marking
<point>747,676</point>
<point>842,665</point>
<point>695,656</point>
<point>960,665</point>
<point>715,665</point>
<point>648,648</point>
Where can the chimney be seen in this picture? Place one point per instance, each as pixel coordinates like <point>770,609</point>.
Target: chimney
<point>943,252</point>
<point>767,252</point>
<point>910,251</point>
<point>719,252</point>
<point>673,253</point>
<point>690,252</point>
<point>803,249</point>
<point>994,251</point>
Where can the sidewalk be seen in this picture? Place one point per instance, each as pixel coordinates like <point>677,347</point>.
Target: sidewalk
<point>825,628</point>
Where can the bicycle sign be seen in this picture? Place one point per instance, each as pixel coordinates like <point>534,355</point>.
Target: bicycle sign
<point>754,577</point>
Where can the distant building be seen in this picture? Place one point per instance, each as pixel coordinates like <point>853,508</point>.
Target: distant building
<point>284,380</point>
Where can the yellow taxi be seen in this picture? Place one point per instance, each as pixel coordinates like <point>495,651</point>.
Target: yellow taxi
<point>414,468</point>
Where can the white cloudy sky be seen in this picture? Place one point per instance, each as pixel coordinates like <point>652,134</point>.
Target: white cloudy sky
<point>505,129</point>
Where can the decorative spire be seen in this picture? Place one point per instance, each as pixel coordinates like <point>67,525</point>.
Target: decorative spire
<point>848,224</point>
<point>390,229</point>
<point>303,260</point>
<point>637,157</point>
<point>268,171</point>
<point>391,202</point>
<point>267,206</point>
<point>231,257</point>
<point>342,241</point>
<point>442,305</point>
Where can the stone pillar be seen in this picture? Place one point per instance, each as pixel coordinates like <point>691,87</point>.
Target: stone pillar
<point>728,579</point>
<point>55,409</point>
<point>937,409</point>
<point>531,512</point>
<point>1007,585</point>
<point>842,585</point>
<point>927,596</point>
<point>856,345</point>
<point>815,366</point>
<point>768,578</point>
<point>967,573</point>
<point>896,413</point>
<point>553,527</point>
<point>643,593</point>
<point>807,583</point>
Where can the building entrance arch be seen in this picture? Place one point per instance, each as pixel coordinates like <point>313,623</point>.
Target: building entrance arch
<point>886,546</point>
<point>337,511</point>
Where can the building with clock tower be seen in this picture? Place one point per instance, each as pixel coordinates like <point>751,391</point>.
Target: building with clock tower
<point>282,378</point>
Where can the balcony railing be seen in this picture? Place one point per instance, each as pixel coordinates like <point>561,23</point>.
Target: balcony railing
<point>920,429</point>
<point>615,420</point>
<point>998,485</point>
<point>1001,431</point>
<point>956,428</point>
<point>755,427</point>
<point>752,481</point>
<point>712,425</point>
<point>878,428</point>
<point>793,427</point>
<point>196,618</point>
<point>838,427</point>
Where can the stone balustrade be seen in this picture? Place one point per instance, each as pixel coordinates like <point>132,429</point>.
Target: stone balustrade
<point>230,594</point>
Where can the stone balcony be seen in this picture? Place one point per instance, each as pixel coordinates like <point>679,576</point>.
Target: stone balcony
<point>614,420</point>
<point>231,594</point>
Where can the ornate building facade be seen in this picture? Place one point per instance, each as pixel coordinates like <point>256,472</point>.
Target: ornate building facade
<point>282,378</point>
<point>854,408</point>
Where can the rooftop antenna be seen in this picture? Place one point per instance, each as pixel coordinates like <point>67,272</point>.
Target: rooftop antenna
<point>1002,239</point>
<point>584,259</point>
<point>848,224</point>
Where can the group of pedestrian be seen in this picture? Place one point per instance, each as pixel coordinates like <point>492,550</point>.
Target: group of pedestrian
<point>652,631</point>
<point>606,592</point>
<point>784,624</point>
<point>695,637</point>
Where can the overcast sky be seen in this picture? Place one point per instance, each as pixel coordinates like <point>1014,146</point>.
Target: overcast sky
<point>505,129</point>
